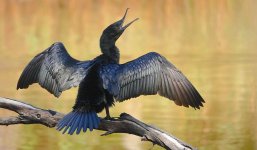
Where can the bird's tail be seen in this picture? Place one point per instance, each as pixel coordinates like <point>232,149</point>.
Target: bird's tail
<point>78,120</point>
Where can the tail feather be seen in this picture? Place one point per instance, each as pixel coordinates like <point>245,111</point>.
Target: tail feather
<point>85,124</point>
<point>96,121</point>
<point>69,121</point>
<point>62,122</point>
<point>93,120</point>
<point>74,125</point>
<point>80,125</point>
<point>90,122</point>
<point>78,120</point>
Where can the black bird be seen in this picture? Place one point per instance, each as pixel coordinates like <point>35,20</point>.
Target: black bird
<point>102,81</point>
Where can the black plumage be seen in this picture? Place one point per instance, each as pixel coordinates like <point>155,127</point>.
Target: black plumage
<point>103,80</point>
<point>55,70</point>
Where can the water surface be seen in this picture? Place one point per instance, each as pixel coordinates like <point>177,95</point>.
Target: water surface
<point>213,43</point>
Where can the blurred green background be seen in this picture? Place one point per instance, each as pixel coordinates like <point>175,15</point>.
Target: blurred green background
<point>213,43</point>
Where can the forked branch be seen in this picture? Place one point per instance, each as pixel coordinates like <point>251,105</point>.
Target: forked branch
<point>28,114</point>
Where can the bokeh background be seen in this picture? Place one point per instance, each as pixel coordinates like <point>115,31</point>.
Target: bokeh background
<point>213,42</point>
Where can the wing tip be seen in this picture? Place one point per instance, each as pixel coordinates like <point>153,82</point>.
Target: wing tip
<point>195,106</point>
<point>19,87</point>
<point>21,84</point>
<point>200,104</point>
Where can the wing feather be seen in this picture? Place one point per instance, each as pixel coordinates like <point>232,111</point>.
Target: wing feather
<point>55,70</point>
<point>147,75</point>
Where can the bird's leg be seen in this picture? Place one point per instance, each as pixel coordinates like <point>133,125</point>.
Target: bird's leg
<point>108,117</point>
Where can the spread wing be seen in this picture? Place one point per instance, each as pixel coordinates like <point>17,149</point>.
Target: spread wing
<point>148,75</point>
<point>55,70</point>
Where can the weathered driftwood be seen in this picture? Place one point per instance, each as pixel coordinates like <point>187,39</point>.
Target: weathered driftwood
<point>29,114</point>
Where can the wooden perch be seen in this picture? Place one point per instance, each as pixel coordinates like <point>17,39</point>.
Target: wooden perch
<point>29,114</point>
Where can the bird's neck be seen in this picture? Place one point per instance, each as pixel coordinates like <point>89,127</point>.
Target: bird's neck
<point>111,51</point>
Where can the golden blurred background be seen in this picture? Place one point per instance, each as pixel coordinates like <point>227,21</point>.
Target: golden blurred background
<point>213,43</point>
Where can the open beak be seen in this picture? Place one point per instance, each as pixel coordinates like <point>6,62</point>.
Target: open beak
<point>123,19</point>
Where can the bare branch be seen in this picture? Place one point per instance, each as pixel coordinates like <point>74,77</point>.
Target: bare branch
<point>28,114</point>
<point>14,120</point>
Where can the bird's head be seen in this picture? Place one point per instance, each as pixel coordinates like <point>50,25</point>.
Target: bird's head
<point>115,30</point>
